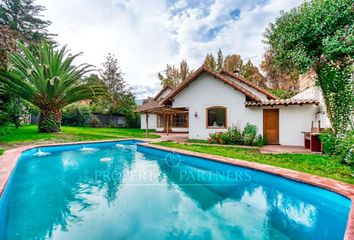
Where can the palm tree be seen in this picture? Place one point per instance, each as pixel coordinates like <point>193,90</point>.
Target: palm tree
<point>48,79</point>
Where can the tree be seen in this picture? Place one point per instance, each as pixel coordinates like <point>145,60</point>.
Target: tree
<point>173,75</point>
<point>24,17</point>
<point>233,63</point>
<point>278,78</point>
<point>48,79</point>
<point>220,62</point>
<point>319,35</point>
<point>252,74</point>
<point>112,76</point>
<point>209,61</point>
<point>8,38</point>
<point>184,71</point>
<point>15,110</point>
<point>121,99</point>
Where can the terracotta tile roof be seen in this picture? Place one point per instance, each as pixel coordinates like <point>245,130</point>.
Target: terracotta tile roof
<point>148,105</point>
<point>217,75</point>
<point>252,85</point>
<point>153,103</point>
<point>281,102</point>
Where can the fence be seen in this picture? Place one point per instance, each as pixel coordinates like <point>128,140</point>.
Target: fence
<point>111,120</point>
<point>105,120</point>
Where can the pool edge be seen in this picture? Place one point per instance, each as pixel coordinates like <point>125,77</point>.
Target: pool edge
<point>10,157</point>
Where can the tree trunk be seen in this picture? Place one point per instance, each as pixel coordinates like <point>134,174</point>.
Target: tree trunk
<point>49,120</point>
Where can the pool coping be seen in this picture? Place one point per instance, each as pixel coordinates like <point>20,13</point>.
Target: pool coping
<point>10,157</point>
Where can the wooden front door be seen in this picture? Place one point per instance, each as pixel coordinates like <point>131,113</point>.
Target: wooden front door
<point>271,125</point>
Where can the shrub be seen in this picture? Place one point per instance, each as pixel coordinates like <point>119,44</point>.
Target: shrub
<point>329,141</point>
<point>341,145</point>
<point>4,118</point>
<point>216,138</point>
<point>259,141</point>
<point>345,148</point>
<point>234,135</point>
<point>94,121</point>
<point>249,134</point>
<point>226,137</point>
<point>76,115</point>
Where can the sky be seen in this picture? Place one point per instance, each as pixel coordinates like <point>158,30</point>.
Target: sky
<point>145,35</point>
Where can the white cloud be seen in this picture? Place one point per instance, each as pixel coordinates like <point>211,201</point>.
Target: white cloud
<point>146,35</point>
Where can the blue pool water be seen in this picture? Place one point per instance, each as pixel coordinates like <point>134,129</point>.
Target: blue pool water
<point>125,191</point>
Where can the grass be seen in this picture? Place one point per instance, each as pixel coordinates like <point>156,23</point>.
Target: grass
<point>316,164</point>
<point>198,141</point>
<point>11,137</point>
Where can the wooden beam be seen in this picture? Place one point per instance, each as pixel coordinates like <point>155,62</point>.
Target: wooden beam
<point>168,123</point>
<point>147,124</point>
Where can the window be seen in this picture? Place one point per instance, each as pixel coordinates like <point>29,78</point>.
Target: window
<point>216,117</point>
<point>160,121</point>
<point>180,120</point>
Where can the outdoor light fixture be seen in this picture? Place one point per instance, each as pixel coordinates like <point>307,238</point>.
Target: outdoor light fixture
<point>196,114</point>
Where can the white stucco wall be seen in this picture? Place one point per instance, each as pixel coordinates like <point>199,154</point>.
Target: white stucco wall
<point>206,91</point>
<point>293,120</point>
<point>152,121</point>
<point>321,114</point>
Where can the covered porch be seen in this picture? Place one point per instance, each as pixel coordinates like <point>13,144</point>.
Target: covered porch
<point>169,120</point>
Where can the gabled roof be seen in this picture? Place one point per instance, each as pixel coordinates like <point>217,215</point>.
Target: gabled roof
<point>147,105</point>
<point>162,91</point>
<point>252,85</point>
<point>285,102</point>
<point>153,103</point>
<point>217,75</point>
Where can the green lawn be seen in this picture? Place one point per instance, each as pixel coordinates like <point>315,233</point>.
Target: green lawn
<point>10,137</point>
<point>321,165</point>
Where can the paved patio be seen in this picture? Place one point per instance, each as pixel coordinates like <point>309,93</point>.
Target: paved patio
<point>176,137</point>
<point>276,149</point>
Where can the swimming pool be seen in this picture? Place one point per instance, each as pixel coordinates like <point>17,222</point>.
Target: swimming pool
<point>118,190</point>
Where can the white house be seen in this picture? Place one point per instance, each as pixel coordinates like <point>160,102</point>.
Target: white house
<point>211,101</point>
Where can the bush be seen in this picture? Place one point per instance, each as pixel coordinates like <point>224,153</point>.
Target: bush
<point>4,118</point>
<point>345,148</point>
<point>341,146</point>
<point>249,134</point>
<point>94,121</point>
<point>76,115</point>
<point>259,141</point>
<point>216,138</point>
<point>234,136</point>
<point>329,141</point>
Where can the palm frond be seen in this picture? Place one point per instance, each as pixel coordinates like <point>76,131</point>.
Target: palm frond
<point>47,77</point>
